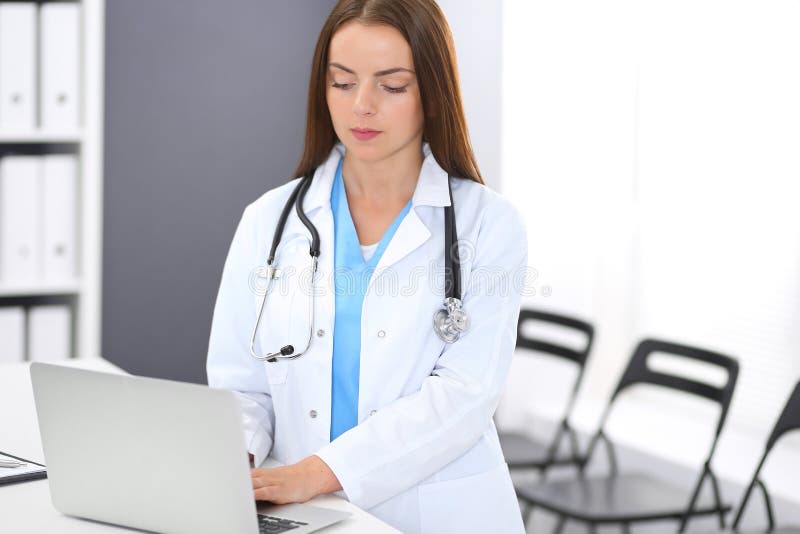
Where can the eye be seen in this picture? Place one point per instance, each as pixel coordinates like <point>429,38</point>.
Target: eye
<point>394,90</point>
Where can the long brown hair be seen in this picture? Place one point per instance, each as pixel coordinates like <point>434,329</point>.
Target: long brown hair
<point>425,28</point>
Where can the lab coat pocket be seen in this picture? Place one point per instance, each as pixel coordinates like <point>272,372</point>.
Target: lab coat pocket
<point>485,502</point>
<point>284,320</point>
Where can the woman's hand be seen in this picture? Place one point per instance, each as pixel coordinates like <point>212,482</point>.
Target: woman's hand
<point>298,482</point>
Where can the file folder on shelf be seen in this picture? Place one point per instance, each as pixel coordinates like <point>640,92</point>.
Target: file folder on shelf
<point>49,333</point>
<point>59,209</point>
<point>20,219</point>
<point>59,34</point>
<point>12,334</point>
<point>17,66</point>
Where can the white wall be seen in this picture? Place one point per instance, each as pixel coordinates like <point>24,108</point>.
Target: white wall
<point>653,146</point>
<point>476,27</point>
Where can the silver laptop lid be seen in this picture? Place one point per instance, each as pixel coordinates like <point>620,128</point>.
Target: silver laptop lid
<point>142,452</point>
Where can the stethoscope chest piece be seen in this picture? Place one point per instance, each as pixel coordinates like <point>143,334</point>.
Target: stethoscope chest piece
<point>450,322</point>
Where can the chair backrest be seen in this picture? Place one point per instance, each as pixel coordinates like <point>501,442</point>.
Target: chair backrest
<point>788,420</point>
<point>563,351</point>
<point>578,357</point>
<point>638,372</point>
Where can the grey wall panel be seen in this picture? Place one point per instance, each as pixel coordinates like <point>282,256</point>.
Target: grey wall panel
<point>205,110</point>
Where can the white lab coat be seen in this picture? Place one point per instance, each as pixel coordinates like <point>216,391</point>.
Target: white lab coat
<point>424,456</point>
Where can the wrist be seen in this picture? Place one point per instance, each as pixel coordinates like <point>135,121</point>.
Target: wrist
<point>323,478</point>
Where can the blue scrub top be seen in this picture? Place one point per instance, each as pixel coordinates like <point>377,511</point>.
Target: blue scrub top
<point>351,278</point>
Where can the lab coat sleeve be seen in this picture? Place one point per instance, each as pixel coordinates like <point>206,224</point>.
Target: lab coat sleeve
<point>415,436</point>
<point>229,364</point>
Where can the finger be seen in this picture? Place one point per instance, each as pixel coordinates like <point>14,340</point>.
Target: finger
<point>257,482</point>
<point>267,476</point>
<point>262,473</point>
<point>266,493</point>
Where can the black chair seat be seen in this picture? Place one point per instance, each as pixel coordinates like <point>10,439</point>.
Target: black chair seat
<point>521,451</point>
<point>623,498</point>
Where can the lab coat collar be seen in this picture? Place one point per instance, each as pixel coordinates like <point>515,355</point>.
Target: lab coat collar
<point>431,189</point>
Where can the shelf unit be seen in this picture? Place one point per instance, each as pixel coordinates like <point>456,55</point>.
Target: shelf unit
<point>87,143</point>
<point>38,137</point>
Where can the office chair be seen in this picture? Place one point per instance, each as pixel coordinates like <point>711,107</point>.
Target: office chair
<point>789,420</point>
<point>630,498</point>
<point>522,452</point>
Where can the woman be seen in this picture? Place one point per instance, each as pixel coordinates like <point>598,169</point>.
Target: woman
<point>378,409</point>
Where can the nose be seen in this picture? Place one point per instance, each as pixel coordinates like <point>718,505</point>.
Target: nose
<point>364,104</point>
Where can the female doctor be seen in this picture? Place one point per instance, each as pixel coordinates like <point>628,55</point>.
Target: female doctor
<point>359,390</point>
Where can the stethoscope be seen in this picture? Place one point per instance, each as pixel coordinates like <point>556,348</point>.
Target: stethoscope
<point>448,322</point>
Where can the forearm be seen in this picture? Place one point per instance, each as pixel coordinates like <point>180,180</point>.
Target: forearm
<point>427,445</point>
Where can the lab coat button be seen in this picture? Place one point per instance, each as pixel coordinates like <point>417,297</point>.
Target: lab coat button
<point>312,414</point>
<point>320,332</point>
<point>381,333</point>
<point>372,412</point>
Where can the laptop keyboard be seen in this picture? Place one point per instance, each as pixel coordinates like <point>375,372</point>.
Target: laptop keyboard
<point>273,525</point>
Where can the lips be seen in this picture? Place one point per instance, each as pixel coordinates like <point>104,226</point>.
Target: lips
<point>364,134</point>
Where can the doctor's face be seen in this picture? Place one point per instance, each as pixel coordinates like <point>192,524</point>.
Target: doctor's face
<point>371,85</point>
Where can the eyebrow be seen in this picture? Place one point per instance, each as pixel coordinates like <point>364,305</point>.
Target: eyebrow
<point>379,73</point>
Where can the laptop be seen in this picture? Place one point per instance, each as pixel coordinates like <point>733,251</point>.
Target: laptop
<point>155,455</point>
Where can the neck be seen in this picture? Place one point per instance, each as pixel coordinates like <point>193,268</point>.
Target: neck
<point>386,182</point>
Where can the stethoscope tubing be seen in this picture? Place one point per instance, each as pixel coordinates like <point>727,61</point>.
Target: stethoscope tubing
<point>446,328</point>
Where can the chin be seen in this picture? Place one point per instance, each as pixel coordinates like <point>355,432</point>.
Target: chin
<point>366,151</point>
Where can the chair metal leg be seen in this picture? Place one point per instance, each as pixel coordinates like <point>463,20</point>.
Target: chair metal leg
<point>526,511</point>
<point>527,517</point>
<point>543,474</point>
<point>626,528</point>
<point>592,528</point>
<point>562,520</point>
<point>695,494</point>
<point>717,499</point>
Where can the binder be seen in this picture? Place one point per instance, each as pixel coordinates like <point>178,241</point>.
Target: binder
<point>20,220</point>
<point>59,33</point>
<point>12,334</point>
<point>49,333</point>
<point>59,209</point>
<point>17,66</point>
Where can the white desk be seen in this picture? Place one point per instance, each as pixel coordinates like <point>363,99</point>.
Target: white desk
<point>25,507</point>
